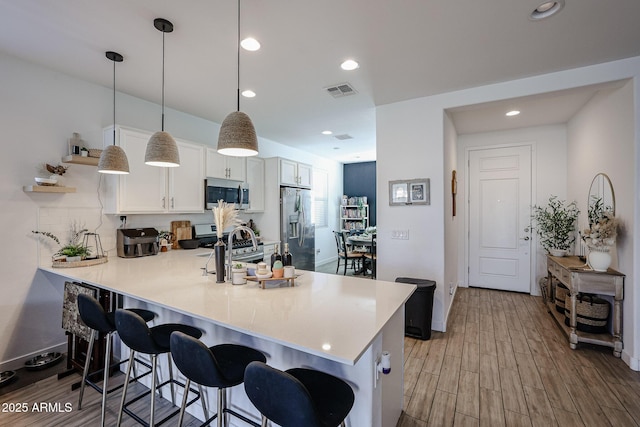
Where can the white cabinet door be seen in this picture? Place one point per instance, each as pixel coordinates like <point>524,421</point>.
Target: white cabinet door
<point>216,164</point>
<point>288,172</point>
<point>305,175</point>
<point>255,180</point>
<point>186,182</point>
<point>144,189</point>
<point>225,167</point>
<point>236,168</point>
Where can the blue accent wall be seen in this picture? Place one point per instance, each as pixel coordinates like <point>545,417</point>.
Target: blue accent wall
<point>360,180</point>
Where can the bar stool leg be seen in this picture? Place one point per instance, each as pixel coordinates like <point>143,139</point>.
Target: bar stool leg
<point>173,390</point>
<point>126,385</point>
<point>86,366</point>
<point>184,402</point>
<point>204,403</point>
<point>105,378</point>
<point>221,403</point>
<point>154,366</point>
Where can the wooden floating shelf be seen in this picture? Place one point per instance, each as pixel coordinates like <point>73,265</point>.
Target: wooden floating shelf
<point>47,189</point>
<point>282,280</point>
<point>90,161</point>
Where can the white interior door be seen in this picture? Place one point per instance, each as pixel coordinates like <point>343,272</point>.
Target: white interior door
<point>499,218</point>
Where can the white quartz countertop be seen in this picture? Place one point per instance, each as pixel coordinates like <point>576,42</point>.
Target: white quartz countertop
<point>330,316</point>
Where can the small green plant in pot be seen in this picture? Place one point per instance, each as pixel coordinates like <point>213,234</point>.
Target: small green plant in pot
<point>555,225</point>
<point>73,249</point>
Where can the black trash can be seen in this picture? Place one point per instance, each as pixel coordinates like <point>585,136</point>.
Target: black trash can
<point>419,308</point>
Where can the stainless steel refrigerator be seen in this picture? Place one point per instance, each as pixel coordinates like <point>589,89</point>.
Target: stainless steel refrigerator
<point>296,227</point>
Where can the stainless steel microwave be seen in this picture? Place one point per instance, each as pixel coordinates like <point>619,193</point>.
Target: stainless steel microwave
<point>229,191</point>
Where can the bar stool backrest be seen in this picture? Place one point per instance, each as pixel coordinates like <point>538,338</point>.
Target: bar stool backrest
<point>93,315</point>
<point>279,396</point>
<point>195,360</point>
<point>135,333</point>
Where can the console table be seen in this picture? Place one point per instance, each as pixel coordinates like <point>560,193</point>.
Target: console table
<point>578,277</point>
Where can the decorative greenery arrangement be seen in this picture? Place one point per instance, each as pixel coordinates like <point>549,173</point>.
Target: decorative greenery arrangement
<point>603,226</point>
<point>555,223</point>
<point>73,247</point>
<point>225,215</point>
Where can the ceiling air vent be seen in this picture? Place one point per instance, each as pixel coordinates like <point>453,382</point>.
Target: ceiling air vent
<point>343,136</point>
<point>340,90</point>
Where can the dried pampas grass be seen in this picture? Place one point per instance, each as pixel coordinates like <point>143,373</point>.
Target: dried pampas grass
<point>225,215</point>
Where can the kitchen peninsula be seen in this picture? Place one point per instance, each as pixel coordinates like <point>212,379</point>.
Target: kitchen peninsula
<point>327,322</point>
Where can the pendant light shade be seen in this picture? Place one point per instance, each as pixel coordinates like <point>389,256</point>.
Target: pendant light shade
<point>237,135</point>
<point>162,149</point>
<point>113,159</point>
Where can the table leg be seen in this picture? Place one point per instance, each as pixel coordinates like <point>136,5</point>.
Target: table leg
<point>573,337</point>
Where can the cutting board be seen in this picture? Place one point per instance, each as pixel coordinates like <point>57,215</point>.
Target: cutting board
<point>181,230</point>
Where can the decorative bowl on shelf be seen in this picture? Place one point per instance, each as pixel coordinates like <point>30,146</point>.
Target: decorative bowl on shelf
<point>46,181</point>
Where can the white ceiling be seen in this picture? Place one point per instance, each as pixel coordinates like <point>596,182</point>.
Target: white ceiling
<point>407,49</point>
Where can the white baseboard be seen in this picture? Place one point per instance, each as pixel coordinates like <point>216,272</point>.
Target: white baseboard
<point>632,362</point>
<point>18,362</point>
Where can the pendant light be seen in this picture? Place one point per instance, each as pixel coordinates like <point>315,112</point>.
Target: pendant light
<point>113,158</point>
<point>237,135</point>
<point>162,149</point>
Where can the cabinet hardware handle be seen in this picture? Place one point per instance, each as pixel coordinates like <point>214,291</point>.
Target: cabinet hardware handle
<point>164,203</point>
<point>172,203</point>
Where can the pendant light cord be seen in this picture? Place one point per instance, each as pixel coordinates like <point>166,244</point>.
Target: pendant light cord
<point>238,90</point>
<point>114,102</point>
<point>162,126</point>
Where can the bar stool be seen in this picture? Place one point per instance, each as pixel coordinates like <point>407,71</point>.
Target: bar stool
<point>100,322</point>
<point>135,333</point>
<point>298,397</point>
<point>220,366</point>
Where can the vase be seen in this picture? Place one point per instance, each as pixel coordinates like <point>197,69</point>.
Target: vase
<point>599,258</point>
<point>219,255</point>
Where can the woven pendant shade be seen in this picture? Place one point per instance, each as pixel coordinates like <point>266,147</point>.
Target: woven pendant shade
<point>162,151</point>
<point>237,136</point>
<point>113,160</point>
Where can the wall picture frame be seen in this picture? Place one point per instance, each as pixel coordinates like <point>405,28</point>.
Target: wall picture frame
<point>409,192</point>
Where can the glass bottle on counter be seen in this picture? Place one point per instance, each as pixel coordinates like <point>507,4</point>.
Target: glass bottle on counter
<point>275,256</point>
<point>287,259</point>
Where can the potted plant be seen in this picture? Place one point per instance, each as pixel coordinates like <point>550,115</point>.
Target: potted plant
<point>238,274</point>
<point>555,225</point>
<point>73,250</point>
<point>84,152</point>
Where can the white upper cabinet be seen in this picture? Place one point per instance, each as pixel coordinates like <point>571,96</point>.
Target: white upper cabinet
<point>225,167</point>
<point>151,189</point>
<point>255,181</point>
<point>295,174</point>
<point>186,182</point>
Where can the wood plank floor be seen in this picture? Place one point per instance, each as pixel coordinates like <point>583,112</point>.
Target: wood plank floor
<point>505,362</point>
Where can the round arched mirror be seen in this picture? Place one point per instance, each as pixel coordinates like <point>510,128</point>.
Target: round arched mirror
<point>601,197</point>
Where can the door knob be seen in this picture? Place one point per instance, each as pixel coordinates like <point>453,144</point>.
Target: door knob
<point>526,229</point>
<point>525,238</point>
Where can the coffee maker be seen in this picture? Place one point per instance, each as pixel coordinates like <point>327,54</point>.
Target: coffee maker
<point>137,242</point>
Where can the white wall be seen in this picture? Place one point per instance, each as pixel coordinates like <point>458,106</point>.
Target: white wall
<point>410,140</point>
<point>39,110</point>
<point>451,223</point>
<point>601,139</point>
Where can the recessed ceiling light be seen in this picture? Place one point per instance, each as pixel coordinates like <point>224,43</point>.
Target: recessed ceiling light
<point>326,132</point>
<point>248,93</point>
<point>326,346</point>
<point>250,44</point>
<point>349,65</point>
<point>546,9</point>
<point>512,113</point>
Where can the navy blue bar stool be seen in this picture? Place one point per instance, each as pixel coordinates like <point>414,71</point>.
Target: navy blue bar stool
<point>135,333</point>
<point>221,366</point>
<point>298,397</point>
<point>101,322</point>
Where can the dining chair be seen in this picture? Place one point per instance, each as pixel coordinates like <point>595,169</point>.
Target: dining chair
<point>345,254</point>
<point>372,255</point>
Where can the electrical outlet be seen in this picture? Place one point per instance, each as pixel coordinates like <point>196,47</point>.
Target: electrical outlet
<point>400,234</point>
<point>450,288</point>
